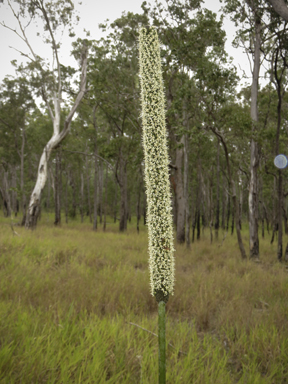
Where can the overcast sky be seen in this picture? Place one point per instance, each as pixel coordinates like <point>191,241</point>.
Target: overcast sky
<point>92,13</point>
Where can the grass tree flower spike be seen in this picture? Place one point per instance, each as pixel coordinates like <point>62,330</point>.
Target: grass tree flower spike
<point>159,217</point>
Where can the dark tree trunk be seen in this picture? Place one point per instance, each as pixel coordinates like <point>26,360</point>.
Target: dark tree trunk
<point>228,213</point>
<point>123,194</point>
<point>266,217</point>
<point>240,205</point>
<point>236,208</point>
<point>180,198</point>
<point>285,219</point>
<point>81,205</point>
<point>138,209</point>
<point>192,216</point>
<point>95,192</point>
<point>217,219</point>
<point>144,208</point>
<point>105,202</point>
<point>174,200</point>
<point>48,192</point>
<point>193,227</point>
<point>263,226</point>
<point>6,195</point>
<point>232,222</point>
<point>280,95</point>
<point>115,202</point>
<point>58,188</point>
<point>223,203</point>
<point>66,197</point>
<point>254,154</point>
<point>203,218</point>
<point>95,170</point>
<point>198,224</point>
<point>262,211</point>
<point>201,196</point>
<point>88,188</point>
<point>74,203</point>
<point>186,192</point>
<point>128,207</point>
<point>280,226</point>
<point>211,219</point>
<point>275,221</point>
<point>14,191</point>
<point>101,190</point>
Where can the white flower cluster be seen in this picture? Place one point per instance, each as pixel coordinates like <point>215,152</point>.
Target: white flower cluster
<point>159,216</point>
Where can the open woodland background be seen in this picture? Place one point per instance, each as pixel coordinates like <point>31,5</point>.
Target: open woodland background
<point>71,289</point>
<point>97,169</point>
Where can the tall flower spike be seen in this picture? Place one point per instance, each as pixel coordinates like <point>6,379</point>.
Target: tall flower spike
<point>159,216</point>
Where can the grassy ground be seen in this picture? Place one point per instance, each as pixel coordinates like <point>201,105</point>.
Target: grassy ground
<point>69,296</point>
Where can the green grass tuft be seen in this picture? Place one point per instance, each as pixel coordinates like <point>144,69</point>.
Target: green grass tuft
<point>68,296</point>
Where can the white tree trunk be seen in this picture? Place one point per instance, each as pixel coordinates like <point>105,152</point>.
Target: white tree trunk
<point>56,139</point>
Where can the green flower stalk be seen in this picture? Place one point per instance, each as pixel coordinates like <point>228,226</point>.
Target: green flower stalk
<point>159,216</point>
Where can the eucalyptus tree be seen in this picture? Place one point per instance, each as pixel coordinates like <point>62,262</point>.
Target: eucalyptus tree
<point>115,85</point>
<point>16,104</point>
<point>250,15</point>
<point>258,28</point>
<point>54,16</point>
<point>195,34</point>
<point>278,76</point>
<point>217,89</point>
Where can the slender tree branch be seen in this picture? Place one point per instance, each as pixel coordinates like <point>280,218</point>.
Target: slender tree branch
<point>36,57</point>
<point>4,122</point>
<point>80,95</point>
<point>11,29</point>
<point>22,30</point>
<point>23,54</point>
<point>54,45</point>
